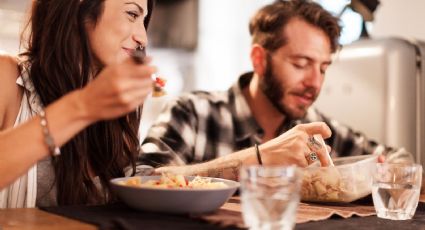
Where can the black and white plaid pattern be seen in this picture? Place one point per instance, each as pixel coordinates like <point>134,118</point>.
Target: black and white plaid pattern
<point>202,126</point>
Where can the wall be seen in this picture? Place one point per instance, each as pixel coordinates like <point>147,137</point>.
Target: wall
<point>224,42</point>
<point>223,48</point>
<point>223,51</point>
<point>11,24</point>
<point>400,18</point>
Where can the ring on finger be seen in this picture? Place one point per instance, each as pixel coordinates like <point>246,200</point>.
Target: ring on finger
<point>313,156</point>
<point>314,144</point>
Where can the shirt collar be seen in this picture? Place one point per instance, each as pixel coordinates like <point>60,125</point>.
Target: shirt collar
<point>246,127</point>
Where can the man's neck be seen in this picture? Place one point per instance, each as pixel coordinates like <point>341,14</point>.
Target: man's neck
<point>266,115</point>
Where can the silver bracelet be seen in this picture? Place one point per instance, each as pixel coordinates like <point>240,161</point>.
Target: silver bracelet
<point>48,139</point>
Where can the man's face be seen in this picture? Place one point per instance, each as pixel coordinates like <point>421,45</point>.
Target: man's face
<point>295,72</point>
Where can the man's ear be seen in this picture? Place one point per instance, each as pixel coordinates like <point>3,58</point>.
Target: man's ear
<point>258,59</point>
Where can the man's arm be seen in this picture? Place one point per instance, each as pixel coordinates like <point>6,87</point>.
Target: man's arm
<point>170,144</point>
<point>226,167</point>
<point>286,149</point>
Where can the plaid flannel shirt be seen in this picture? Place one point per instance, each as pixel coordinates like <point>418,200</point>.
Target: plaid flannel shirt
<point>201,126</point>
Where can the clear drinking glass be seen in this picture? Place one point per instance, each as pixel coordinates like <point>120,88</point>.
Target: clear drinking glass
<point>395,190</point>
<point>270,196</point>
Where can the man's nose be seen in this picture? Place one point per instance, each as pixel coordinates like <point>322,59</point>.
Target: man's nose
<point>314,78</point>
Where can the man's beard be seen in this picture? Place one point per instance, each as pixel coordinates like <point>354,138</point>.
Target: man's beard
<point>273,89</point>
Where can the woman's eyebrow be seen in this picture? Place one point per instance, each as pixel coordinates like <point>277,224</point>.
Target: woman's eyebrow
<point>137,5</point>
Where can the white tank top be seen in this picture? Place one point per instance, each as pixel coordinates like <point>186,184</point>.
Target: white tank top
<point>23,192</point>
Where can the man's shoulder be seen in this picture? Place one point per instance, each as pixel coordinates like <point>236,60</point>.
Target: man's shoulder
<point>211,97</point>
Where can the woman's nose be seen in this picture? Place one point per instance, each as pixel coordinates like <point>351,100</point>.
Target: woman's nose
<point>140,36</point>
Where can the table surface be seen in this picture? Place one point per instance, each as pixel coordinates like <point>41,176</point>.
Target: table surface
<point>33,218</point>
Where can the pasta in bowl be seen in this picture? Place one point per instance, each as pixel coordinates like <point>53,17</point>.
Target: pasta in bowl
<point>174,193</point>
<point>175,181</point>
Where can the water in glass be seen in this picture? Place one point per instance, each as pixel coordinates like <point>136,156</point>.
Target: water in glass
<point>395,190</point>
<point>395,201</point>
<point>270,197</point>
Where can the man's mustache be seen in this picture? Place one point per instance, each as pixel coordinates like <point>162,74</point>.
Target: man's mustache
<point>307,92</point>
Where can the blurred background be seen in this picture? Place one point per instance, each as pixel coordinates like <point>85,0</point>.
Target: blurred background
<point>375,84</point>
<point>204,44</point>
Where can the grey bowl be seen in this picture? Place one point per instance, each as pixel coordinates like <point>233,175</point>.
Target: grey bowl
<point>177,201</point>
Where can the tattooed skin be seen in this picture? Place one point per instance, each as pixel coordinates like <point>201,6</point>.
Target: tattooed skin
<point>225,170</point>
<point>228,171</point>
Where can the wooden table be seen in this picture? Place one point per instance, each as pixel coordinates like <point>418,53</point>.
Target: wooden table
<point>33,218</point>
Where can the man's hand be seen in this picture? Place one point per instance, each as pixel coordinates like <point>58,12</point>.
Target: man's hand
<point>292,146</point>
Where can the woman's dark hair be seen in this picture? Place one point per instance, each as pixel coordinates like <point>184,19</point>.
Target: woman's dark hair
<point>266,27</point>
<point>59,60</point>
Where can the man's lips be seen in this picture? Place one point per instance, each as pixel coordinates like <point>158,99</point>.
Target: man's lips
<point>304,99</point>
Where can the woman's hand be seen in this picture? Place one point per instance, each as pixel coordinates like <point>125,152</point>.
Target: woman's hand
<point>117,90</point>
<point>292,147</point>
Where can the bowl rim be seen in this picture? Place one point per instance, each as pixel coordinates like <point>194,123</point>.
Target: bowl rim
<point>230,184</point>
<point>361,159</point>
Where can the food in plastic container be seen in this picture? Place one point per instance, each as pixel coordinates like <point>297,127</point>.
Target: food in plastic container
<point>349,180</point>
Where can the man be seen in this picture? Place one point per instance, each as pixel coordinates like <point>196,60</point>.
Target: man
<point>292,46</point>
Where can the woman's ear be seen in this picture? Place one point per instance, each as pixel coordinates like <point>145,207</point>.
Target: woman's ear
<point>258,59</point>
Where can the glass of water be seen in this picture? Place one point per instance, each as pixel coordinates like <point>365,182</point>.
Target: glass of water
<point>395,190</point>
<point>270,196</point>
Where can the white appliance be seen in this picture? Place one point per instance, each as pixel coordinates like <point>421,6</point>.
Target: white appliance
<point>377,87</point>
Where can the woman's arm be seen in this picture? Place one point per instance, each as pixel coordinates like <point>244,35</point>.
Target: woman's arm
<point>116,91</point>
<point>24,145</point>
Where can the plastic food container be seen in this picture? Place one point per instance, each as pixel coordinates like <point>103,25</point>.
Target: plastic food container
<point>349,180</point>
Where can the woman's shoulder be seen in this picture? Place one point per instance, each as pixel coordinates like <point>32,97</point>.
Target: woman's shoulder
<point>10,68</point>
<point>10,92</point>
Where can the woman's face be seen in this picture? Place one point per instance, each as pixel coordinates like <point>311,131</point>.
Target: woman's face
<point>119,30</point>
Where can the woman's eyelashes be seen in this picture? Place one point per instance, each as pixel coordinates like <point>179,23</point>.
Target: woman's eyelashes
<point>133,15</point>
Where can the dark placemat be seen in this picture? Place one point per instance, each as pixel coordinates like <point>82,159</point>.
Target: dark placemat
<point>370,222</point>
<point>119,216</point>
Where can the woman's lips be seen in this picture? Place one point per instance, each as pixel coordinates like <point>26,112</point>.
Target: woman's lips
<point>128,51</point>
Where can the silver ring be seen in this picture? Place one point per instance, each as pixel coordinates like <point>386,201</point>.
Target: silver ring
<point>314,144</point>
<point>313,156</point>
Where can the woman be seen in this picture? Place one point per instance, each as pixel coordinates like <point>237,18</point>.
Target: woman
<point>78,67</point>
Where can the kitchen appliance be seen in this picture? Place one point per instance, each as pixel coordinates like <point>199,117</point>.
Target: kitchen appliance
<point>377,86</point>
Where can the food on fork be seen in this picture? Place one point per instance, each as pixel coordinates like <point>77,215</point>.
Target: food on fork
<point>158,87</point>
<point>158,83</point>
